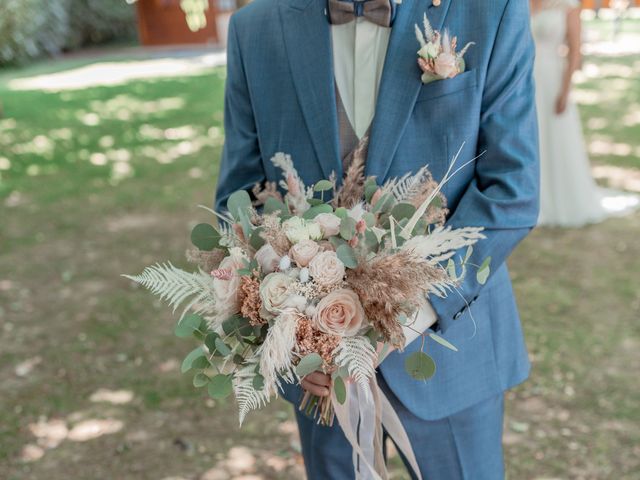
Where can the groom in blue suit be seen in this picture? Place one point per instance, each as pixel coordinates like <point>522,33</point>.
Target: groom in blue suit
<point>313,78</point>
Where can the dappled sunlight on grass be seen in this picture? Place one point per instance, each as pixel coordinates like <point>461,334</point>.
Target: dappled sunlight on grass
<point>101,74</point>
<point>115,397</point>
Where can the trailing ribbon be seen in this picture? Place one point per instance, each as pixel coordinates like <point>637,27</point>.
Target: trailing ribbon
<point>362,416</point>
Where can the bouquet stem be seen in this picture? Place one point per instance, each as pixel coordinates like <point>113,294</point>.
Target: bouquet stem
<point>319,408</point>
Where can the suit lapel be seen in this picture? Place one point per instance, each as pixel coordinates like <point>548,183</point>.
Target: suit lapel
<point>400,83</point>
<point>307,36</point>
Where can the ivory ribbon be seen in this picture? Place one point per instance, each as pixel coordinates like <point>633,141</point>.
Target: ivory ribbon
<point>363,415</point>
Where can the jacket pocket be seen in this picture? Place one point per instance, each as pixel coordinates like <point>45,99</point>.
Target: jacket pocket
<point>448,86</point>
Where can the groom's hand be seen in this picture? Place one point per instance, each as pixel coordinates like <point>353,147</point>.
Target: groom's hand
<point>317,383</point>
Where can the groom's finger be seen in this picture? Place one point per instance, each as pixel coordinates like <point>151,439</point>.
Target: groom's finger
<point>319,378</point>
<point>314,389</point>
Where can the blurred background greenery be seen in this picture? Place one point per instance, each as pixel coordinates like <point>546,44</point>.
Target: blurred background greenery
<point>104,155</point>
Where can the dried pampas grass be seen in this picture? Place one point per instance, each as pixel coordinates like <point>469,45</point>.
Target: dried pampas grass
<point>207,261</point>
<point>390,285</point>
<point>273,234</point>
<point>352,190</point>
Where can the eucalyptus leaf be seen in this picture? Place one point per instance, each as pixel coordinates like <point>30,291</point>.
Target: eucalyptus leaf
<point>341,212</point>
<point>210,340</point>
<point>201,363</point>
<point>340,390</point>
<point>484,271</point>
<point>272,205</point>
<point>384,204</point>
<point>336,242</point>
<point>238,203</point>
<point>309,364</point>
<point>443,342</point>
<point>402,210</point>
<point>190,358</point>
<point>187,325</point>
<point>323,186</point>
<point>256,241</point>
<point>370,188</point>
<point>420,366</point>
<point>220,386</point>
<point>222,348</point>
<point>205,237</point>
<point>347,228</point>
<point>258,382</point>
<point>369,219</point>
<point>313,212</point>
<point>200,380</point>
<point>347,255</point>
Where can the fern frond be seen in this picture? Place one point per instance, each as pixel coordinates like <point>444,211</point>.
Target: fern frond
<point>358,356</point>
<point>443,242</point>
<point>407,186</point>
<point>420,36</point>
<point>175,285</point>
<point>247,396</point>
<point>429,33</point>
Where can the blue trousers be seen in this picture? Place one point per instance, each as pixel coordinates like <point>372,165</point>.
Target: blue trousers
<point>464,446</point>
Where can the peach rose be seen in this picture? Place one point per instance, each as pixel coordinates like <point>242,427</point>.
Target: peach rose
<point>339,313</point>
<point>303,252</point>
<point>326,268</point>
<point>267,258</point>
<point>329,224</point>
<point>446,65</point>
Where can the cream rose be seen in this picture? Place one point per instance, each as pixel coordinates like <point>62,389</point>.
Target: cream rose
<point>314,231</point>
<point>226,291</point>
<point>274,292</point>
<point>446,65</point>
<point>303,252</point>
<point>267,258</point>
<point>295,229</point>
<point>339,313</point>
<point>326,268</point>
<point>329,224</point>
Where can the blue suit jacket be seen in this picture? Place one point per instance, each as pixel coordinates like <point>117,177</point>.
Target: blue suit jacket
<point>280,98</point>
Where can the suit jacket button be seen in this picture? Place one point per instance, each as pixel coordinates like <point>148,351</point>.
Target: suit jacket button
<point>457,315</point>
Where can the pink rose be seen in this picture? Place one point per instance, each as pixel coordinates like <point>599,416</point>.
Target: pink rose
<point>303,252</point>
<point>329,224</point>
<point>339,313</point>
<point>326,268</point>
<point>446,65</point>
<point>226,287</point>
<point>267,258</point>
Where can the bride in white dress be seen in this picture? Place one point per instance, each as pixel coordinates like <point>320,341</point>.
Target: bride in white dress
<point>569,197</point>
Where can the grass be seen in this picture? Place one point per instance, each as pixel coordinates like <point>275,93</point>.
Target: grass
<point>102,181</point>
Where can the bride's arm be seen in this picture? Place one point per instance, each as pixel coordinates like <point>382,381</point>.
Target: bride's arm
<point>574,57</point>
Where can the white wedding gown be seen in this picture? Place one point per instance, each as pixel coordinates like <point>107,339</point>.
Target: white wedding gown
<point>569,197</point>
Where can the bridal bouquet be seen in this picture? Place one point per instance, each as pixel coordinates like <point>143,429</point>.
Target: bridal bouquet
<point>323,277</point>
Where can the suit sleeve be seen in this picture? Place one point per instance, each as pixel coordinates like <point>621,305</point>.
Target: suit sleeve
<point>503,196</point>
<point>241,165</point>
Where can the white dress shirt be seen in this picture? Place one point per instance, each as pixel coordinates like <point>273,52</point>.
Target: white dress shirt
<point>359,51</point>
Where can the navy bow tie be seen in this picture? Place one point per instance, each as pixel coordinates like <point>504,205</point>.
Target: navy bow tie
<point>380,12</point>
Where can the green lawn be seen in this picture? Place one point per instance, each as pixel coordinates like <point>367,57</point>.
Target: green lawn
<point>105,180</point>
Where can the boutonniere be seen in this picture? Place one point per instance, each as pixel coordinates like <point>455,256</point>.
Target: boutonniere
<point>437,56</point>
